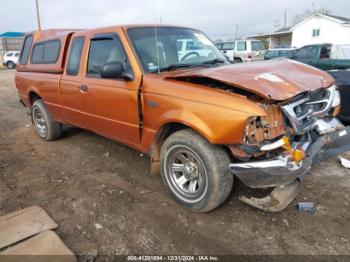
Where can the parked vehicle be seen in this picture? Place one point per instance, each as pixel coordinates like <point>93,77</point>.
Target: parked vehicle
<point>11,59</point>
<point>324,56</point>
<point>335,59</point>
<point>187,48</point>
<point>202,120</point>
<point>242,50</point>
<point>278,53</point>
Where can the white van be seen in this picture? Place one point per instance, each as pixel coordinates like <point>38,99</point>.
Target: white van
<point>243,50</point>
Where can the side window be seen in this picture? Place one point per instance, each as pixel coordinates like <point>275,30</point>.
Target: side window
<point>228,46</point>
<point>241,46</point>
<point>38,54</point>
<point>194,45</point>
<point>51,51</point>
<point>325,52</point>
<point>26,50</point>
<point>46,52</point>
<point>16,54</point>
<point>74,56</point>
<point>104,50</point>
<point>219,45</point>
<point>9,54</point>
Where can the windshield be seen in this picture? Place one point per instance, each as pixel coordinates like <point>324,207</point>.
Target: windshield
<point>177,47</point>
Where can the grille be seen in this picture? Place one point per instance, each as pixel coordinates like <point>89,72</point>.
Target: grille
<point>302,113</point>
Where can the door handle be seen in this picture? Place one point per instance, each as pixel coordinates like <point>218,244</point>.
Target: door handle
<point>83,88</point>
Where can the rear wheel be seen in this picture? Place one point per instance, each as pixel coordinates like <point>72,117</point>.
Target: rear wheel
<point>194,171</point>
<point>10,65</point>
<point>46,127</point>
<point>237,60</point>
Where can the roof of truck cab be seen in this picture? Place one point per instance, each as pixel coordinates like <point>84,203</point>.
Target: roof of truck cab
<point>128,26</point>
<point>54,33</point>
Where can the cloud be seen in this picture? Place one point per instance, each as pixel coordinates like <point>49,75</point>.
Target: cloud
<point>217,18</point>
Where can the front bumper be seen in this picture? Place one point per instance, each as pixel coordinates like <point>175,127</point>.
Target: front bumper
<point>280,172</point>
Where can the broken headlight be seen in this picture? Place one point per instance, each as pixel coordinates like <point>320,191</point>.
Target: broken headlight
<point>258,129</point>
<point>268,127</point>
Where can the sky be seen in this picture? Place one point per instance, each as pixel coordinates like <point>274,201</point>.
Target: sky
<point>217,18</point>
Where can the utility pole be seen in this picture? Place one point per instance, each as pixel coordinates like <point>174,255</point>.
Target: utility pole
<point>285,19</point>
<point>37,14</point>
<point>236,32</point>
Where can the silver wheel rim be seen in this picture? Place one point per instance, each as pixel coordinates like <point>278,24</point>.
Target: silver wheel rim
<point>40,122</point>
<point>186,173</point>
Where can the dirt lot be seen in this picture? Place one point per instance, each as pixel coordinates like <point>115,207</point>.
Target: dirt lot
<point>84,179</point>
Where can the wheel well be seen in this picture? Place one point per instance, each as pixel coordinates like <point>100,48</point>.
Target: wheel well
<point>164,132</point>
<point>33,97</point>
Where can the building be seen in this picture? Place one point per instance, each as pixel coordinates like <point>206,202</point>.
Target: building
<point>316,29</point>
<point>11,41</point>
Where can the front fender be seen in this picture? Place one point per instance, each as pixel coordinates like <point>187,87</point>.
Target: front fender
<point>218,126</point>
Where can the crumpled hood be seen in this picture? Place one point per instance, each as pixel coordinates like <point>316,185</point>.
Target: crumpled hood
<point>279,79</point>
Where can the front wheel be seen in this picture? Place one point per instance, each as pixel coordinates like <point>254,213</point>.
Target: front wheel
<point>195,172</point>
<point>46,127</point>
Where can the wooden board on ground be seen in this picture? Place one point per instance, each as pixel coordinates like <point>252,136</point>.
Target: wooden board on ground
<point>46,246</point>
<point>24,223</point>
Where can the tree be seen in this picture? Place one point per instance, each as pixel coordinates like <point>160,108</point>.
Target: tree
<point>309,12</point>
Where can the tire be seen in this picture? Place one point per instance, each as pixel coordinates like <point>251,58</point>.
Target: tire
<point>46,127</point>
<point>237,60</point>
<point>10,65</point>
<point>185,155</point>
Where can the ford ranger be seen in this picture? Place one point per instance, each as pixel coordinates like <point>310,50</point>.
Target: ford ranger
<point>204,122</point>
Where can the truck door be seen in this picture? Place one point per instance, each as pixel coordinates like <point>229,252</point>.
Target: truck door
<point>110,105</point>
<point>228,49</point>
<point>71,92</point>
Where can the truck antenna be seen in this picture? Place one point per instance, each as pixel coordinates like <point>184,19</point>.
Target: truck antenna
<point>37,14</point>
<point>156,35</point>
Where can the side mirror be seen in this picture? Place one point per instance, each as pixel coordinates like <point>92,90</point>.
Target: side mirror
<point>112,70</point>
<point>116,70</point>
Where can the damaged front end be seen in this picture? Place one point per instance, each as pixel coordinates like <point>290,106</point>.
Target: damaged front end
<point>281,147</point>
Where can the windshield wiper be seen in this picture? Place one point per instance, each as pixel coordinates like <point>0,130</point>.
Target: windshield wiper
<point>171,67</point>
<point>214,61</point>
<point>182,65</point>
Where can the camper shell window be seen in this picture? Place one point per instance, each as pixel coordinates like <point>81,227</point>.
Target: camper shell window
<point>46,52</point>
<point>26,50</point>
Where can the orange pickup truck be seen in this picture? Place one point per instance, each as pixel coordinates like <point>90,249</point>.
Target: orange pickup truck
<point>168,91</point>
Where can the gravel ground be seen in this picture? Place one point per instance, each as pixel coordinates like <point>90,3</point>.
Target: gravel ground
<point>105,201</point>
